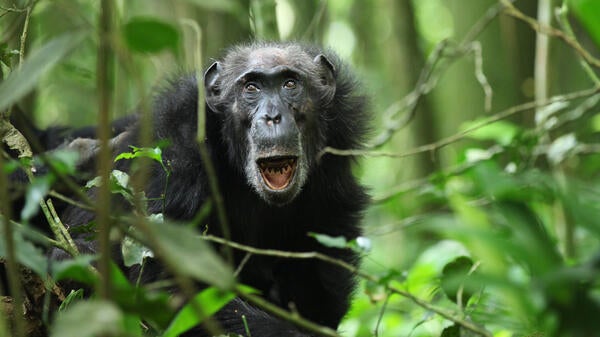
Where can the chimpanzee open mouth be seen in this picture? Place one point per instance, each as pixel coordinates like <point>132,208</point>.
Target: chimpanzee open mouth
<point>277,172</point>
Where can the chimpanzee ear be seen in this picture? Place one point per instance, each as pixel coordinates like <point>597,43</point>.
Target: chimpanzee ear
<point>327,76</point>
<point>212,90</point>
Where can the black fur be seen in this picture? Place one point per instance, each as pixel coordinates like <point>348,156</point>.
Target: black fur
<point>330,201</point>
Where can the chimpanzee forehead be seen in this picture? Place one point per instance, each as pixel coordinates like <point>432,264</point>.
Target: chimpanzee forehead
<point>270,57</point>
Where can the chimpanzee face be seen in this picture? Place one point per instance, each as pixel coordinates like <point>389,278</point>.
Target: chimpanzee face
<point>273,98</point>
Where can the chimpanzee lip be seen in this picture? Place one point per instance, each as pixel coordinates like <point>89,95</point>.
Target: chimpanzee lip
<point>277,172</point>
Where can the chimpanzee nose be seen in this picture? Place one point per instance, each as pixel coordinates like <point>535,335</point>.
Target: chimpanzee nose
<point>270,120</point>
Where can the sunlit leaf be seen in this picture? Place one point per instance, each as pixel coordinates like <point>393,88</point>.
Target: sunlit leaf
<point>20,82</point>
<point>502,132</point>
<point>101,318</point>
<point>561,147</point>
<point>36,191</point>
<point>134,252</point>
<point>210,300</point>
<point>330,241</point>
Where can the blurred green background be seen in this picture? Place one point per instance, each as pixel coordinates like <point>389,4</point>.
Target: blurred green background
<point>498,226</point>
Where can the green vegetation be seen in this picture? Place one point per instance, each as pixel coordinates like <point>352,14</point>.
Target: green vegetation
<point>483,166</point>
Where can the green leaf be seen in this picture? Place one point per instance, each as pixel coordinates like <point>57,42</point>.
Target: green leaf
<point>76,269</point>
<point>502,132</point>
<point>100,318</point>
<point>26,253</point>
<point>20,82</point>
<point>119,180</point>
<point>64,161</point>
<point>119,184</point>
<point>588,12</point>
<point>561,147</point>
<point>154,153</point>
<point>73,297</point>
<point>210,300</point>
<point>453,276</point>
<point>451,331</point>
<point>36,191</point>
<point>330,241</point>
<point>180,243</point>
<point>148,35</point>
<point>153,306</point>
<point>134,252</point>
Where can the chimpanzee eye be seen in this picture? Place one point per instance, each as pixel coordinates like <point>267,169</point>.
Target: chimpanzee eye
<point>289,84</point>
<point>251,87</point>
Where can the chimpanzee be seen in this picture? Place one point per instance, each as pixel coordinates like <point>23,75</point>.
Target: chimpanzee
<point>270,109</point>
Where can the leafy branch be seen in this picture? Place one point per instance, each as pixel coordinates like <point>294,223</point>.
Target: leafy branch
<point>340,263</point>
<point>463,134</point>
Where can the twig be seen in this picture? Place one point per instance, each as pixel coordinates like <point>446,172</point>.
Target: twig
<point>61,232</point>
<point>427,78</point>
<point>24,34</point>
<point>461,135</point>
<point>203,149</point>
<point>562,15</point>
<point>294,318</point>
<point>511,10</point>
<point>70,201</point>
<point>475,48</point>
<point>340,263</point>
<point>381,313</point>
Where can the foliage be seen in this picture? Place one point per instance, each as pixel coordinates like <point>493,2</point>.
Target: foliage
<point>486,202</point>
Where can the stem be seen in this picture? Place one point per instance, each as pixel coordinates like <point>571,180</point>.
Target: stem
<point>12,268</point>
<point>104,156</point>
<point>24,35</point>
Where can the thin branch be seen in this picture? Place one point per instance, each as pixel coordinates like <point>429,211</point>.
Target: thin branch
<point>24,34</point>
<point>511,10</point>
<point>475,48</point>
<point>291,317</point>
<point>380,316</point>
<point>463,134</point>
<point>428,78</point>
<point>343,264</point>
<point>70,201</point>
<point>562,15</point>
<point>61,232</point>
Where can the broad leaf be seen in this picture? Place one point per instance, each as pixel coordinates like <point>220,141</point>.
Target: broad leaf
<point>210,300</point>
<point>26,253</point>
<point>101,318</point>
<point>587,12</point>
<point>20,82</point>
<point>147,35</point>
<point>190,254</point>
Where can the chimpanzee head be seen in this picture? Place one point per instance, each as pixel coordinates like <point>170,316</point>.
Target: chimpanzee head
<point>272,99</point>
